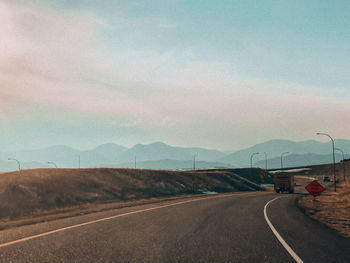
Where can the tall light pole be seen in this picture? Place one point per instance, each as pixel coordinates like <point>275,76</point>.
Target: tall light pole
<point>282,158</point>
<point>194,162</point>
<point>135,161</point>
<point>265,161</point>
<point>19,164</point>
<point>251,159</point>
<point>251,163</point>
<point>78,161</point>
<point>343,160</point>
<point>52,163</point>
<point>334,176</point>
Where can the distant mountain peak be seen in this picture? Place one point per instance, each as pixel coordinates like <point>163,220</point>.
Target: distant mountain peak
<point>109,145</point>
<point>153,144</point>
<point>57,147</point>
<point>159,143</point>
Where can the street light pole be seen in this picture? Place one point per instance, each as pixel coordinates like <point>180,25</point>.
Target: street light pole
<point>251,163</point>
<point>265,161</point>
<point>19,164</point>
<point>282,158</point>
<point>194,162</point>
<point>343,160</point>
<point>334,176</point>
<point>52,163</point>
<point>251,159</point>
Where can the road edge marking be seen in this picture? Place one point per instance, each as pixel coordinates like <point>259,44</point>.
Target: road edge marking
<point>279,237</point>
<point>109,218</point>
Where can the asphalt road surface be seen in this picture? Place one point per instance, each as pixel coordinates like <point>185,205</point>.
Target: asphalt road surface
<point>217,228</point>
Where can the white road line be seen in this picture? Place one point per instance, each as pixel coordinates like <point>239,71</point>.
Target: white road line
<point>280,239</point>
<point>107,218</point>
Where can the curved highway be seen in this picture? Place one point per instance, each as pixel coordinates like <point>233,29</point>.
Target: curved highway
<point>217,228</point>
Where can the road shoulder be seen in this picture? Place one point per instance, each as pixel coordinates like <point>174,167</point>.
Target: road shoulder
<point>330,208</point>
<point>312,241</point>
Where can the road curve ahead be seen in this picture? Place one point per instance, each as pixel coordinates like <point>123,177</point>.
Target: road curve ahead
<point>218,228</point>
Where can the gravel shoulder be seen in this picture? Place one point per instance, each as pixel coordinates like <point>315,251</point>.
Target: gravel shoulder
<point>330,208</point>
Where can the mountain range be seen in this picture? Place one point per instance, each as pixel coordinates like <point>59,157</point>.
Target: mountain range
<point>274,149</point>
<point>159,155</point>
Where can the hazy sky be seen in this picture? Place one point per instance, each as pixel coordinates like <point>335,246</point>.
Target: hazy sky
<point>216,74</point>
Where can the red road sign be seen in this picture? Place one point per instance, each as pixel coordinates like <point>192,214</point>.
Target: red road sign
<point>314,188</point>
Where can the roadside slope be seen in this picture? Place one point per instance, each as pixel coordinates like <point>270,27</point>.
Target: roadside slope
<point>30,192</point>
<point>330,208</point>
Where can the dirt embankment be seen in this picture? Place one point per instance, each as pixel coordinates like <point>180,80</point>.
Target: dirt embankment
<point>252,174</point>
<point>330,208</point>
<point>29,193</point>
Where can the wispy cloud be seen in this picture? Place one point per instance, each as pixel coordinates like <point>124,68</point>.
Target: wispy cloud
<point>60,60</point>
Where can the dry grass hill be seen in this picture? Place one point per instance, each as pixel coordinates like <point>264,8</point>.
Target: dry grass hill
<point>29,192</point>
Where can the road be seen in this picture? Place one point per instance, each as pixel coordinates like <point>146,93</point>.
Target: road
<point>217,228</point>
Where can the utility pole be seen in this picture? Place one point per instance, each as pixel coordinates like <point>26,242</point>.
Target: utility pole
<point>334,175</point>
<point>79,161</point>
<point>343,160</point>
<point>135,161</point>
<point>265,161</point>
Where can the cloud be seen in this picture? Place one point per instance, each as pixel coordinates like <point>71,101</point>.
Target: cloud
<point>60,60</point>
<point>40,51</point>
<point>47,58</point>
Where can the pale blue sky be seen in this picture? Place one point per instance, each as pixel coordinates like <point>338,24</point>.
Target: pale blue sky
<point>217,74</point>
<point>299,41</point>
